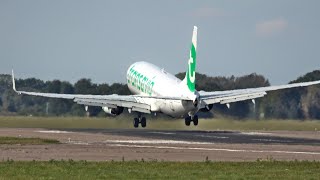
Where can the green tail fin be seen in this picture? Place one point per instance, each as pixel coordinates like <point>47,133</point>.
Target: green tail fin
<point>191,72</point>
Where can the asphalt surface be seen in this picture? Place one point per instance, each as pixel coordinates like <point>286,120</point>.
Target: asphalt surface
<point>162,145</point>
<point>225,137</point>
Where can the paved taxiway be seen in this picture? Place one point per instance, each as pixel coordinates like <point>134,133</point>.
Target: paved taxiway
<point>137,144</point>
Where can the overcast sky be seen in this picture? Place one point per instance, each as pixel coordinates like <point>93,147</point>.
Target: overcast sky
<point>99,39</point>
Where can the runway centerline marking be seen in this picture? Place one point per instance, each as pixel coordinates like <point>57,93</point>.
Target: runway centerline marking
<point>78,143</point>
<point>155,142</point>
<point>215,149</point>
<point>54,132</point>
<point>272,140</point>
<point>255,133</point>
<point>216,137</point>
<point>166,133</point>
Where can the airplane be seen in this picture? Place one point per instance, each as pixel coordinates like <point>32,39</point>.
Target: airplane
<point>157,91</point>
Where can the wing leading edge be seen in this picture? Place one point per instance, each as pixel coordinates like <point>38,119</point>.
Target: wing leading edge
<point>225,97</point>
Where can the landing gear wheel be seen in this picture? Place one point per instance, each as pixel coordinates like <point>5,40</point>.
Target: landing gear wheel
<point>187,121</point>
<point>136,122</point>
<point>143,122</point>
<point>195,120</point>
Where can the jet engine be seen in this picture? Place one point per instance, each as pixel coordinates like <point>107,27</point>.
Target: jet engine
<point>113,111</point>
<point>207,108</point>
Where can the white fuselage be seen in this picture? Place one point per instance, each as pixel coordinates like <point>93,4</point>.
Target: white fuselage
<point>149,80</point>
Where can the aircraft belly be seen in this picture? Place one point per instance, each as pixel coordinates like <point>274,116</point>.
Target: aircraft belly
<point>173,108</point>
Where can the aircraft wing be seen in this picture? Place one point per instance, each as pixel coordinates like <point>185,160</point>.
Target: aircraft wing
<point>137,103</point>
<point>226,97</point>
<point>110,101</point>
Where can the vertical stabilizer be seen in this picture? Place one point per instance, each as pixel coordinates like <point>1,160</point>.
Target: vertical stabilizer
<point>13,82</point>
<point>190,77</point>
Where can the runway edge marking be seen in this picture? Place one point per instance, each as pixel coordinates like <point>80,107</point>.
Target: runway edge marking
<point>216,149</point>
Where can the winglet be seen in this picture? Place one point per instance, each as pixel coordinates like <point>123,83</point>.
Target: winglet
<point>13,82</point>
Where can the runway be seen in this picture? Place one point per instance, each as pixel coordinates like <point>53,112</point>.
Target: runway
<point>228,137</point>
<point>164,145</point>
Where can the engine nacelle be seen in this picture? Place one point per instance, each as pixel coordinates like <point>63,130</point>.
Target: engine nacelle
<point>113,111</point>
<point>207,108</point>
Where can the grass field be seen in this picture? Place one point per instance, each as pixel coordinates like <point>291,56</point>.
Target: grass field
<point>24,141</point>
<point>156,123</point>
<point>159,170</point>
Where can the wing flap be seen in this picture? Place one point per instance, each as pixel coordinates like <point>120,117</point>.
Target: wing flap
<point>91,103</point>
<point>224,99</point>
<point>141,110</point>
<point>133,105</point>
<point>243,98</point>
<point>114,103</point>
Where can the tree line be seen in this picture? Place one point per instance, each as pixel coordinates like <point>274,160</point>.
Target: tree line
<point>296,103</point>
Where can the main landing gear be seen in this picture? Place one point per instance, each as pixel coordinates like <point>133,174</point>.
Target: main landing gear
<point>140,120</point>
<point>194,119</point>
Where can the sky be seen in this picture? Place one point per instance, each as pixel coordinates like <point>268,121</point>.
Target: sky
<point>100,39</point>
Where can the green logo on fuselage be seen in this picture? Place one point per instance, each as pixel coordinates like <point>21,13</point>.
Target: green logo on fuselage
<point>140,81</point>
